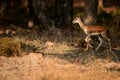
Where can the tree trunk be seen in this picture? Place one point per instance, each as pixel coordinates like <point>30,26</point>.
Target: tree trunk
<point>90,12</point>
<point>40,12</point>
<point>63,11</point>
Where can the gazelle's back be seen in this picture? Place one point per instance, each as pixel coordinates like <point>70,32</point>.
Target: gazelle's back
<point>95,29</point>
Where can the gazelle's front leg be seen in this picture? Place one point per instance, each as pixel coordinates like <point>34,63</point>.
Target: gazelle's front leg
<point>104,36</point>
<point>87,39</point>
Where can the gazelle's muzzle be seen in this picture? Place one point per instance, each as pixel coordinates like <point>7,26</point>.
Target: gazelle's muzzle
<point>73,21</point>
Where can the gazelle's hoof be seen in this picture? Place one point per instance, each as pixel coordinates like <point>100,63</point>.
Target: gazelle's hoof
<point>96,49</point>
<point>110,49</point>
<point>86,49</point>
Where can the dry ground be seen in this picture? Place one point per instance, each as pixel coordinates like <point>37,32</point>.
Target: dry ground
<point>59,59</point>
<point>61,62</point>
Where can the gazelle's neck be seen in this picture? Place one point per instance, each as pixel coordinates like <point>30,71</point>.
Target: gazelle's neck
<point>81,24</point>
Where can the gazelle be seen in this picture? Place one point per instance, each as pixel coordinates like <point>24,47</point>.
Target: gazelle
<point>92,30</point>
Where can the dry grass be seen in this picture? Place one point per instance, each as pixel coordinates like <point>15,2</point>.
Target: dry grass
<point>57,58</point>
<point>37,67</point>
<point>10,47</point>
<point>52,54</point>
<point>17,47</point>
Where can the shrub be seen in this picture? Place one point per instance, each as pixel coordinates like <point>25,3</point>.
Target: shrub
<point>10,47</point>
<point>17,47</point>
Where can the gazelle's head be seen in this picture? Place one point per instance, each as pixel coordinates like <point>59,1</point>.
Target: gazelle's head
<point>76,20</point>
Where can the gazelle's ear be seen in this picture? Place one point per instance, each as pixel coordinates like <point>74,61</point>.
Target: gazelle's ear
<point>78,15</point>
<point>80,18</point>
<point>76,18</point>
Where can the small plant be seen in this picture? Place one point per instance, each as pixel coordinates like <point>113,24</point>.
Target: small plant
<point>10,47</point>
<point>16,47</point>
<point>29,46</point>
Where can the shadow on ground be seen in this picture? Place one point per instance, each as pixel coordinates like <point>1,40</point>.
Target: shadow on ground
<point>83,57</point>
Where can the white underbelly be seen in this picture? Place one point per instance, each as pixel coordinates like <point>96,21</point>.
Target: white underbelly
<point>94,33</point>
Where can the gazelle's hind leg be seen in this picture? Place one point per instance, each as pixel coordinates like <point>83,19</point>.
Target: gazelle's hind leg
<point>105,36</point>
<point>101,41</point>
